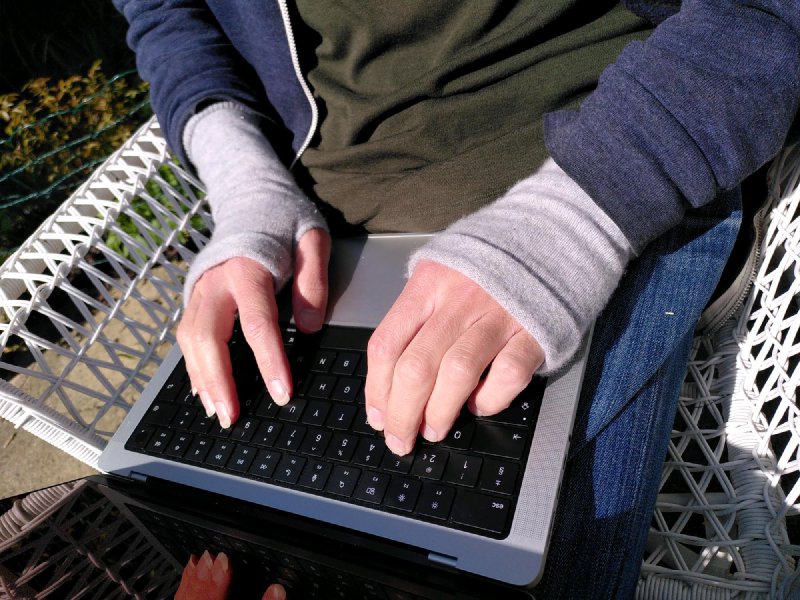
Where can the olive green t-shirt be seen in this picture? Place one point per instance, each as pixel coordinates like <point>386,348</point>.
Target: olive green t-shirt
<point>429,109</point>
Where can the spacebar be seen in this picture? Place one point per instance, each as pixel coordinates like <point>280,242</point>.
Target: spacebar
<point>481,511</point>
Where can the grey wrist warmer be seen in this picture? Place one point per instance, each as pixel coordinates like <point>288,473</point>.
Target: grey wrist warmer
<point>545,252</point>
<point>259,211</point>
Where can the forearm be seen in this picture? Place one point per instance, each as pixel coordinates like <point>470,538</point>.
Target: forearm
<point>259,211</point>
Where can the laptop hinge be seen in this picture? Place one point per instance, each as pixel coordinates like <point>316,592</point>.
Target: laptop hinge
<point>136,476</point>
<point>443,559</point>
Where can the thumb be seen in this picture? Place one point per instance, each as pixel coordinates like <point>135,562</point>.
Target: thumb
<point>310,284</point>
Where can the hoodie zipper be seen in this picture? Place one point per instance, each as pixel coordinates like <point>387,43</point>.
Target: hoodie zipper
<point>287,25</point>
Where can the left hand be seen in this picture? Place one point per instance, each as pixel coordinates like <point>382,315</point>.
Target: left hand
<point>427,356</point>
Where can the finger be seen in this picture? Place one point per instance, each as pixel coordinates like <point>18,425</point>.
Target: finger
<point>415,375</point>
<point>460,372</point>
<point>253,290</point>
<point>387,343</point>
<point>185,327</point>
<point>310,283</point>
<point>274,592</point>
<point>510,373</point>
<point>208,337</point>
<point>186,586</point>
<point>220,576</point>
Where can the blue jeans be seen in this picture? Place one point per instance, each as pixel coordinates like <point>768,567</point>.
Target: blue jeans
<point>636,366</point>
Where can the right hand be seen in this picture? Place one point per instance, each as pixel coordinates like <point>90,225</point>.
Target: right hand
<point>242,285</point>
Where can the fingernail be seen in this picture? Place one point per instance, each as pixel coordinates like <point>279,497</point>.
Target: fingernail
<point>204,566</point>
<point>375,418</point>
<point>430,434</point>
<point>220,568</point>
<point>208,405</point>
<point>223,415</point>
<point>278,392</point>
<point>396,445</point>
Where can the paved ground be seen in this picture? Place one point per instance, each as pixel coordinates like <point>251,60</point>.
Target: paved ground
<point>27,462</point>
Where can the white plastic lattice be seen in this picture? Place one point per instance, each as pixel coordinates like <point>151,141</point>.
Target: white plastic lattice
<point>94,294</point>
<point>727,522</point>
<point>91,298</point>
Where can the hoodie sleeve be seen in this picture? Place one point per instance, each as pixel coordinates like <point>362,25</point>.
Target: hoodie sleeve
<point>704,102</point>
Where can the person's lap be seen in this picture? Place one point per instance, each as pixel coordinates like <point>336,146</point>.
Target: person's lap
<point>636,365</point>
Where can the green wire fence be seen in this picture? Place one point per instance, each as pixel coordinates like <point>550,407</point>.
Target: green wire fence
<point>54,135</point>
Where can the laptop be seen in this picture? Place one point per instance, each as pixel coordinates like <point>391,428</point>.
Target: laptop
<point>481,501</point>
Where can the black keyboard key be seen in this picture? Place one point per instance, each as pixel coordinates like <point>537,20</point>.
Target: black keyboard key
<point>315,475</point>
<point>342,447</point>
<point>289,336</point>
<point>316,442</point>
<point>249,403</point>
<point>346,390</point>
<point>402,494</point>
<point>479,510</point>
<point>179,445</point>
<point>217,430</point>
<point>361,425</point>
<point>499,476</point>
<point>361,369</point>
<point>463,470</point>
<point>267,434</point>
<point>341,416</point>
<point>158,443</point>
<point>397,464</point>
<point>244,429</point>
<point>343,480</point>
<point>460,435</point>
<point>323,361</point>
<point>372,487</point>
<point>267,408</point>
<point>220,453</point>
<point>199,449</point>
<point>289,469</point>
<point>202,423</point>
<point>370,452</point>
<point>523,411</point>
<point>176,381</point>
<point>345,363</point>
<point>435,500</point>
<point>292,437</point>
<point>184,418</point>
<point>429,463</point>
<point>322,386</point>
<point>160,413</point>
<point>316,412</point>
<point>499,440</point>
<point>241,458</point>
<point>264,463</point>
<point>292,410</point>
<point>140,437</point>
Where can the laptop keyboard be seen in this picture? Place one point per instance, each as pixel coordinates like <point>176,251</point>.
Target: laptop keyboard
<point>321,443</point>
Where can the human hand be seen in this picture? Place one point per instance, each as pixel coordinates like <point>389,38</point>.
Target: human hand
<point>208,578</point>
<point>241,284</point>
<point>427,356</point>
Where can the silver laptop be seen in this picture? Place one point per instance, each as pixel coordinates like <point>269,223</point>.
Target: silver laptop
<point>481,501</point>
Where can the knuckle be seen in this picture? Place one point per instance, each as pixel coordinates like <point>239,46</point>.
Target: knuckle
<point>513,371</point>
<point>255,326</point>
<point>414,369</point>
<point>378,347</point>
<point>460,369</point>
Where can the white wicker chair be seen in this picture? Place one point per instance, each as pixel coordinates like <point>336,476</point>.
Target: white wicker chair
<point>94,296</point>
